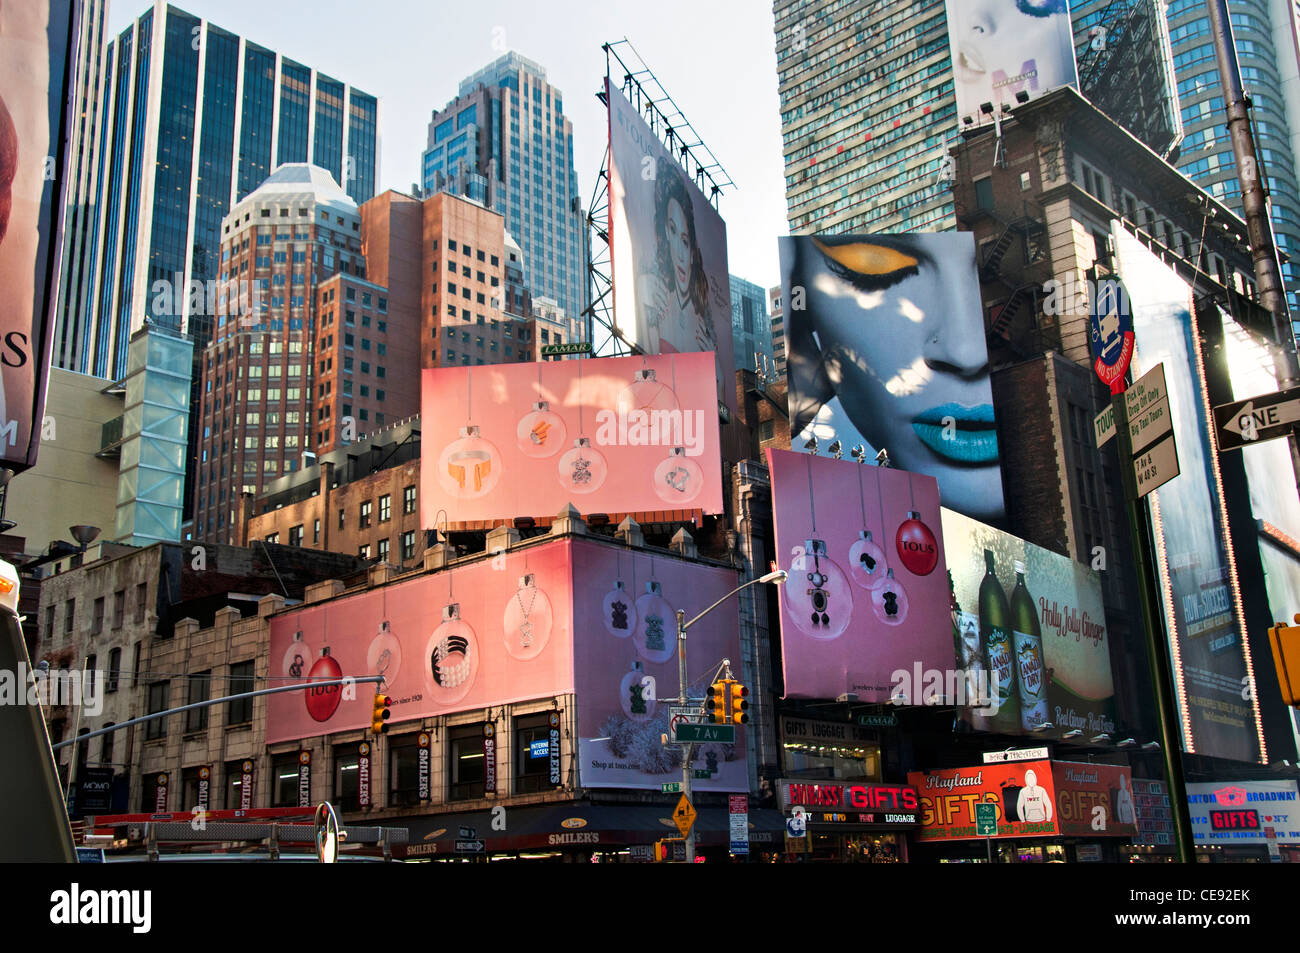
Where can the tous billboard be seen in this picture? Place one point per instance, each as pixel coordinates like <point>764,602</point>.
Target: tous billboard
<point>609,435</point>
<point>868,583</point>
<point>518,627</point>
<point>1030,625</point>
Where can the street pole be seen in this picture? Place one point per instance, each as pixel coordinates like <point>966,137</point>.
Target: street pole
<point>1157,651</point>
<point>689,748</point>
<point>1254,208</point>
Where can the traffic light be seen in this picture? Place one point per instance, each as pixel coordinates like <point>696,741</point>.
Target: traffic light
<point>381,713</point>
<point>1285,640</point>
<point>715,703</point>
<point>737,693</point>
<point>661,851</point>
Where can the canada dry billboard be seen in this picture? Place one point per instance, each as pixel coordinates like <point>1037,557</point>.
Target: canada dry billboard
<point>1030,624</point>
<point>672,292</point>
<point>867,590</point>
<point>609,435</point>
<point>885,349</point>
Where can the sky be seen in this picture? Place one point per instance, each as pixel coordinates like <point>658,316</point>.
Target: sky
<point>716,59</point>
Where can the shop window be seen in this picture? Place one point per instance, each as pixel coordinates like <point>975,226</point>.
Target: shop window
<point>532,754</point>
<point>465,763</point>
<point>404,770</point>
<point>284,780</point>
<point>347,777</point>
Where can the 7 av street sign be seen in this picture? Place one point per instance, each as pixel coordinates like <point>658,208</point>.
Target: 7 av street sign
<point>1259,418</point>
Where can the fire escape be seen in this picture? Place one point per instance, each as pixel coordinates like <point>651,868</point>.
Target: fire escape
<point>1015,278</point>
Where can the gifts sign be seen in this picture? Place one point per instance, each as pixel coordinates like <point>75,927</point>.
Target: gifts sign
<point>609,435</point>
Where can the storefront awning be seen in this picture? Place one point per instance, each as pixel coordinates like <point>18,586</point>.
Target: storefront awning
<point>577,825</point>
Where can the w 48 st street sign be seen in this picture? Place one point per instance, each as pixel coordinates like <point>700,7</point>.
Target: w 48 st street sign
<point>1260,418</point>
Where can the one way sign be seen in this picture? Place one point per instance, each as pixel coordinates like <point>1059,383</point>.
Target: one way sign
<point>1259,418</point>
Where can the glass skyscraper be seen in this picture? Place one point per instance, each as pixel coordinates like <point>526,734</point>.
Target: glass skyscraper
<point>505,142</point>
<point>751,329</point>
<point>1266,39</point>
<point>184,120</point>
<point>868,111</point>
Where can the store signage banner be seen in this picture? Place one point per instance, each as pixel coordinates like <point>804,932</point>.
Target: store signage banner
<point>626,666</point>
<point>491,633</point>
<point>553,746</point>
<point>672,291</point>
<point>1038,641</point>
<point>1094,800</point>
<point>423,767</point>
<point>37,48</point>
<point>205,786</point>
<point>363,774</point>
<point>1202,605</point>
<point>867,590</point>
<point>160,794</point>
<point>865,803</point>
<point>609,435</point>
<point>246,785</point>
<point>1023,792</point>
<point>304,779</point>
<point>1239,813</point>
<point>1004,47</point>
<point>885,350</point>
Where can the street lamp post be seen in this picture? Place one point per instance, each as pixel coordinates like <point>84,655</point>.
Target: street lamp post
<point>777,576</point>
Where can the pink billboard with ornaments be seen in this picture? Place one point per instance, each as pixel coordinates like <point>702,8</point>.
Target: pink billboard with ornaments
<point>549,619</point>
<point>867,594</point>
<point>609,435</point>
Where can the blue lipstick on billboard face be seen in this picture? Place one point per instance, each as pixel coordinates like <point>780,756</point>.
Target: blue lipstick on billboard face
<point>886,348</point>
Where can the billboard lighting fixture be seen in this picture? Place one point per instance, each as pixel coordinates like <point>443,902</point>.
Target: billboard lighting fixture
<point>811,444</point>
<point>986,109</point>
<point>968,120</point>
<point>882,458</point>
<point>1022,96</point>
<point>837,449</point>
<point>1151,746</point>
<point>1070,735</point>
<point>1127,743</point>
<point>1101,739</point>
<point>847,697</point>
<point>1045,726</point>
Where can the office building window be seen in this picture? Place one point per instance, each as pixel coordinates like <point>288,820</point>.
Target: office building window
<point>158,695</point>
<point>465,762</point>
<point>196,719</point>
<point>532,754</point>
<point>240,711</point>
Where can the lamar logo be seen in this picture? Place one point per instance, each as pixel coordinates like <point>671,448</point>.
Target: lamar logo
<point>75,906</point>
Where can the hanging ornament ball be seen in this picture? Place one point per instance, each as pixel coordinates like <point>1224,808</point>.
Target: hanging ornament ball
<point>637,695</point>
<point>916,544</point>
<point>618,612</point>
<point>527,620</point>
<point>889,602</point>
<point>582,469</point>
<point>451,658</point>
<point>656,629</point>
<point>540,432</point>
<point>678,478</point>
<point>646,393</point>
<point>296,657</point>
<point>817,592</point>
<point>867,563</point>
<point>384,657</point>
<point>322,702</point>
<point>470,466</point>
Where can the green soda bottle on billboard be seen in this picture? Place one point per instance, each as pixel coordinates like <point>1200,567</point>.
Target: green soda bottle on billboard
<point>1027,639</point>
<point>999,650</point>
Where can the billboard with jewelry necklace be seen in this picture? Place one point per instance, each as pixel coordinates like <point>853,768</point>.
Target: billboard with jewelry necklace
<point>609,435</point>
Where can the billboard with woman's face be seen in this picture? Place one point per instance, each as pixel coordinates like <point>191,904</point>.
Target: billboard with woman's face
<point>1004,47</point>
<point>885,342</point>
<point>36,45</point>
<point>669,249</point>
